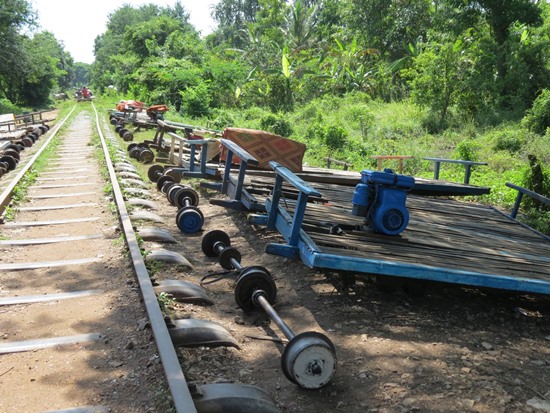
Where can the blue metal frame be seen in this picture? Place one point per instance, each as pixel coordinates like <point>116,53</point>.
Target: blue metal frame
<point>240,198</point>
<point>299,244</point>
<point>467,167</point>
<point>191,169</point>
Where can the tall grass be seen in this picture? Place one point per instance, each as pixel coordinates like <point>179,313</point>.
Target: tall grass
<point>376,128</point>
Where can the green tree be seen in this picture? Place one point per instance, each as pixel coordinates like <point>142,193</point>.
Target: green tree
<point>48,68</point>
<point>15,15</point>
<point>232,16</point>
<point>447,72</point>
<point>136,36</point>
<point>82,74</point>
<point>390,25</point>
<point>501,15</point>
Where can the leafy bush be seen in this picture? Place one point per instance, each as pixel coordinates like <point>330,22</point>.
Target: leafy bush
<point>336,137</point>
<point>254,113</point>
<point>196,100</point>
<point>538,117</point>
<point>433,123</point>
<point>333,136</point>
<point>7,107</point>
<point>277,125</point>
<point>540,220</point>
<point>506,142</point>
<point>221,119</point>
<point>537,180</point>
<point>315,132</point>
<point>467,150</point>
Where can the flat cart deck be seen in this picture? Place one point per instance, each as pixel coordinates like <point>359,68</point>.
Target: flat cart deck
<point>445,241</point>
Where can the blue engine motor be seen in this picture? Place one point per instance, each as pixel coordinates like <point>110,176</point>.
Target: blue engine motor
<point>381,198</point>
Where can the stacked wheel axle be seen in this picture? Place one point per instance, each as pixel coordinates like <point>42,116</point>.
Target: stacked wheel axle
<point>309,358</point>
<point>189,217</point>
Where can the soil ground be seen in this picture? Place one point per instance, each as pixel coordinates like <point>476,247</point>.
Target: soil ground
<point>453,349</point>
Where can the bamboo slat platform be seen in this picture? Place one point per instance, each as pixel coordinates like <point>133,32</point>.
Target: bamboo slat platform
<point>443,234</point>
<point>446,240</point>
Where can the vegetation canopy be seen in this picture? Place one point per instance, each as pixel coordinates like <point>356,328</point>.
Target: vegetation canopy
<point>351,78</point>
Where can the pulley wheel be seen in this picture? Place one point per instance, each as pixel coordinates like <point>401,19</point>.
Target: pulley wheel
<point>14,154</point>
<point>154,172</point>
<point>122,131</point>
<point>136,153</point>
<point>252,279</point>
<point>162,180</point>
<point>186,192</point>
<point>225,256</point>
<point>309,360</point>
<point>127,136</point>
<point>146,156</point>
<point>210,240</point>
<point>32,136</point>
<point>14,147</point>
<point>167,187</point>
<point>174,174</point>
<point>171,192</point>
<point>189,220</point>
<point>10,161</point>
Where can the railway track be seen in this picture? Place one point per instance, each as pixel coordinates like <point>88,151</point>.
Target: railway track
<point>71,337</point>
<point>81,329</point>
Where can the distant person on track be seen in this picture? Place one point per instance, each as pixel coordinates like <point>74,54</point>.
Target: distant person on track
<point>86,93</point>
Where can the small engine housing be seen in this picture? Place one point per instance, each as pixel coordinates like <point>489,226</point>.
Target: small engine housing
<point>381,198</point>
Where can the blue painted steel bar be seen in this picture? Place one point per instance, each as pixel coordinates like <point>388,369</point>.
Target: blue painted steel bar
<point>193,143</point>
<point>425,272</point>
<point>524,191</point>
<point>234,188</point>
<point>227,172</point>
<point>467,166</point>
<point>305,192</point>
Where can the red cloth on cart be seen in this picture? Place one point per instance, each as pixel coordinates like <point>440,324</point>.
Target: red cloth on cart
<point>265,147</point>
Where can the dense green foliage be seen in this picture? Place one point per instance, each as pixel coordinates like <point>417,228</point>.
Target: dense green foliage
<point>460,59</point>
<point>32,66</point>
<point>351,78</point>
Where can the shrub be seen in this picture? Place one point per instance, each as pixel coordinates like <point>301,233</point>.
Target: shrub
<point>7,107</point>
<point>221,119</point>
<point>315,132</point>
<point>196,100</point>
<point>467,150</point>
<point>277,125</point>
<point>537,118</point>
<point>333,136</point>
<point>433,123</point>
<point>505,142</point>
<point>336,136</point>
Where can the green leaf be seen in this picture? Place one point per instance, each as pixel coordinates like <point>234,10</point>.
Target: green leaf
<point>524,36</point>
<point>286,66</point>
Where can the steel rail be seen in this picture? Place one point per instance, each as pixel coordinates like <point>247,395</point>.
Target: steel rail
<point>5,197</point>
<point>181,396</point>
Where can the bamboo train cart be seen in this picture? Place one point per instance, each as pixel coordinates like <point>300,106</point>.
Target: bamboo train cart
<point>445,240</point>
